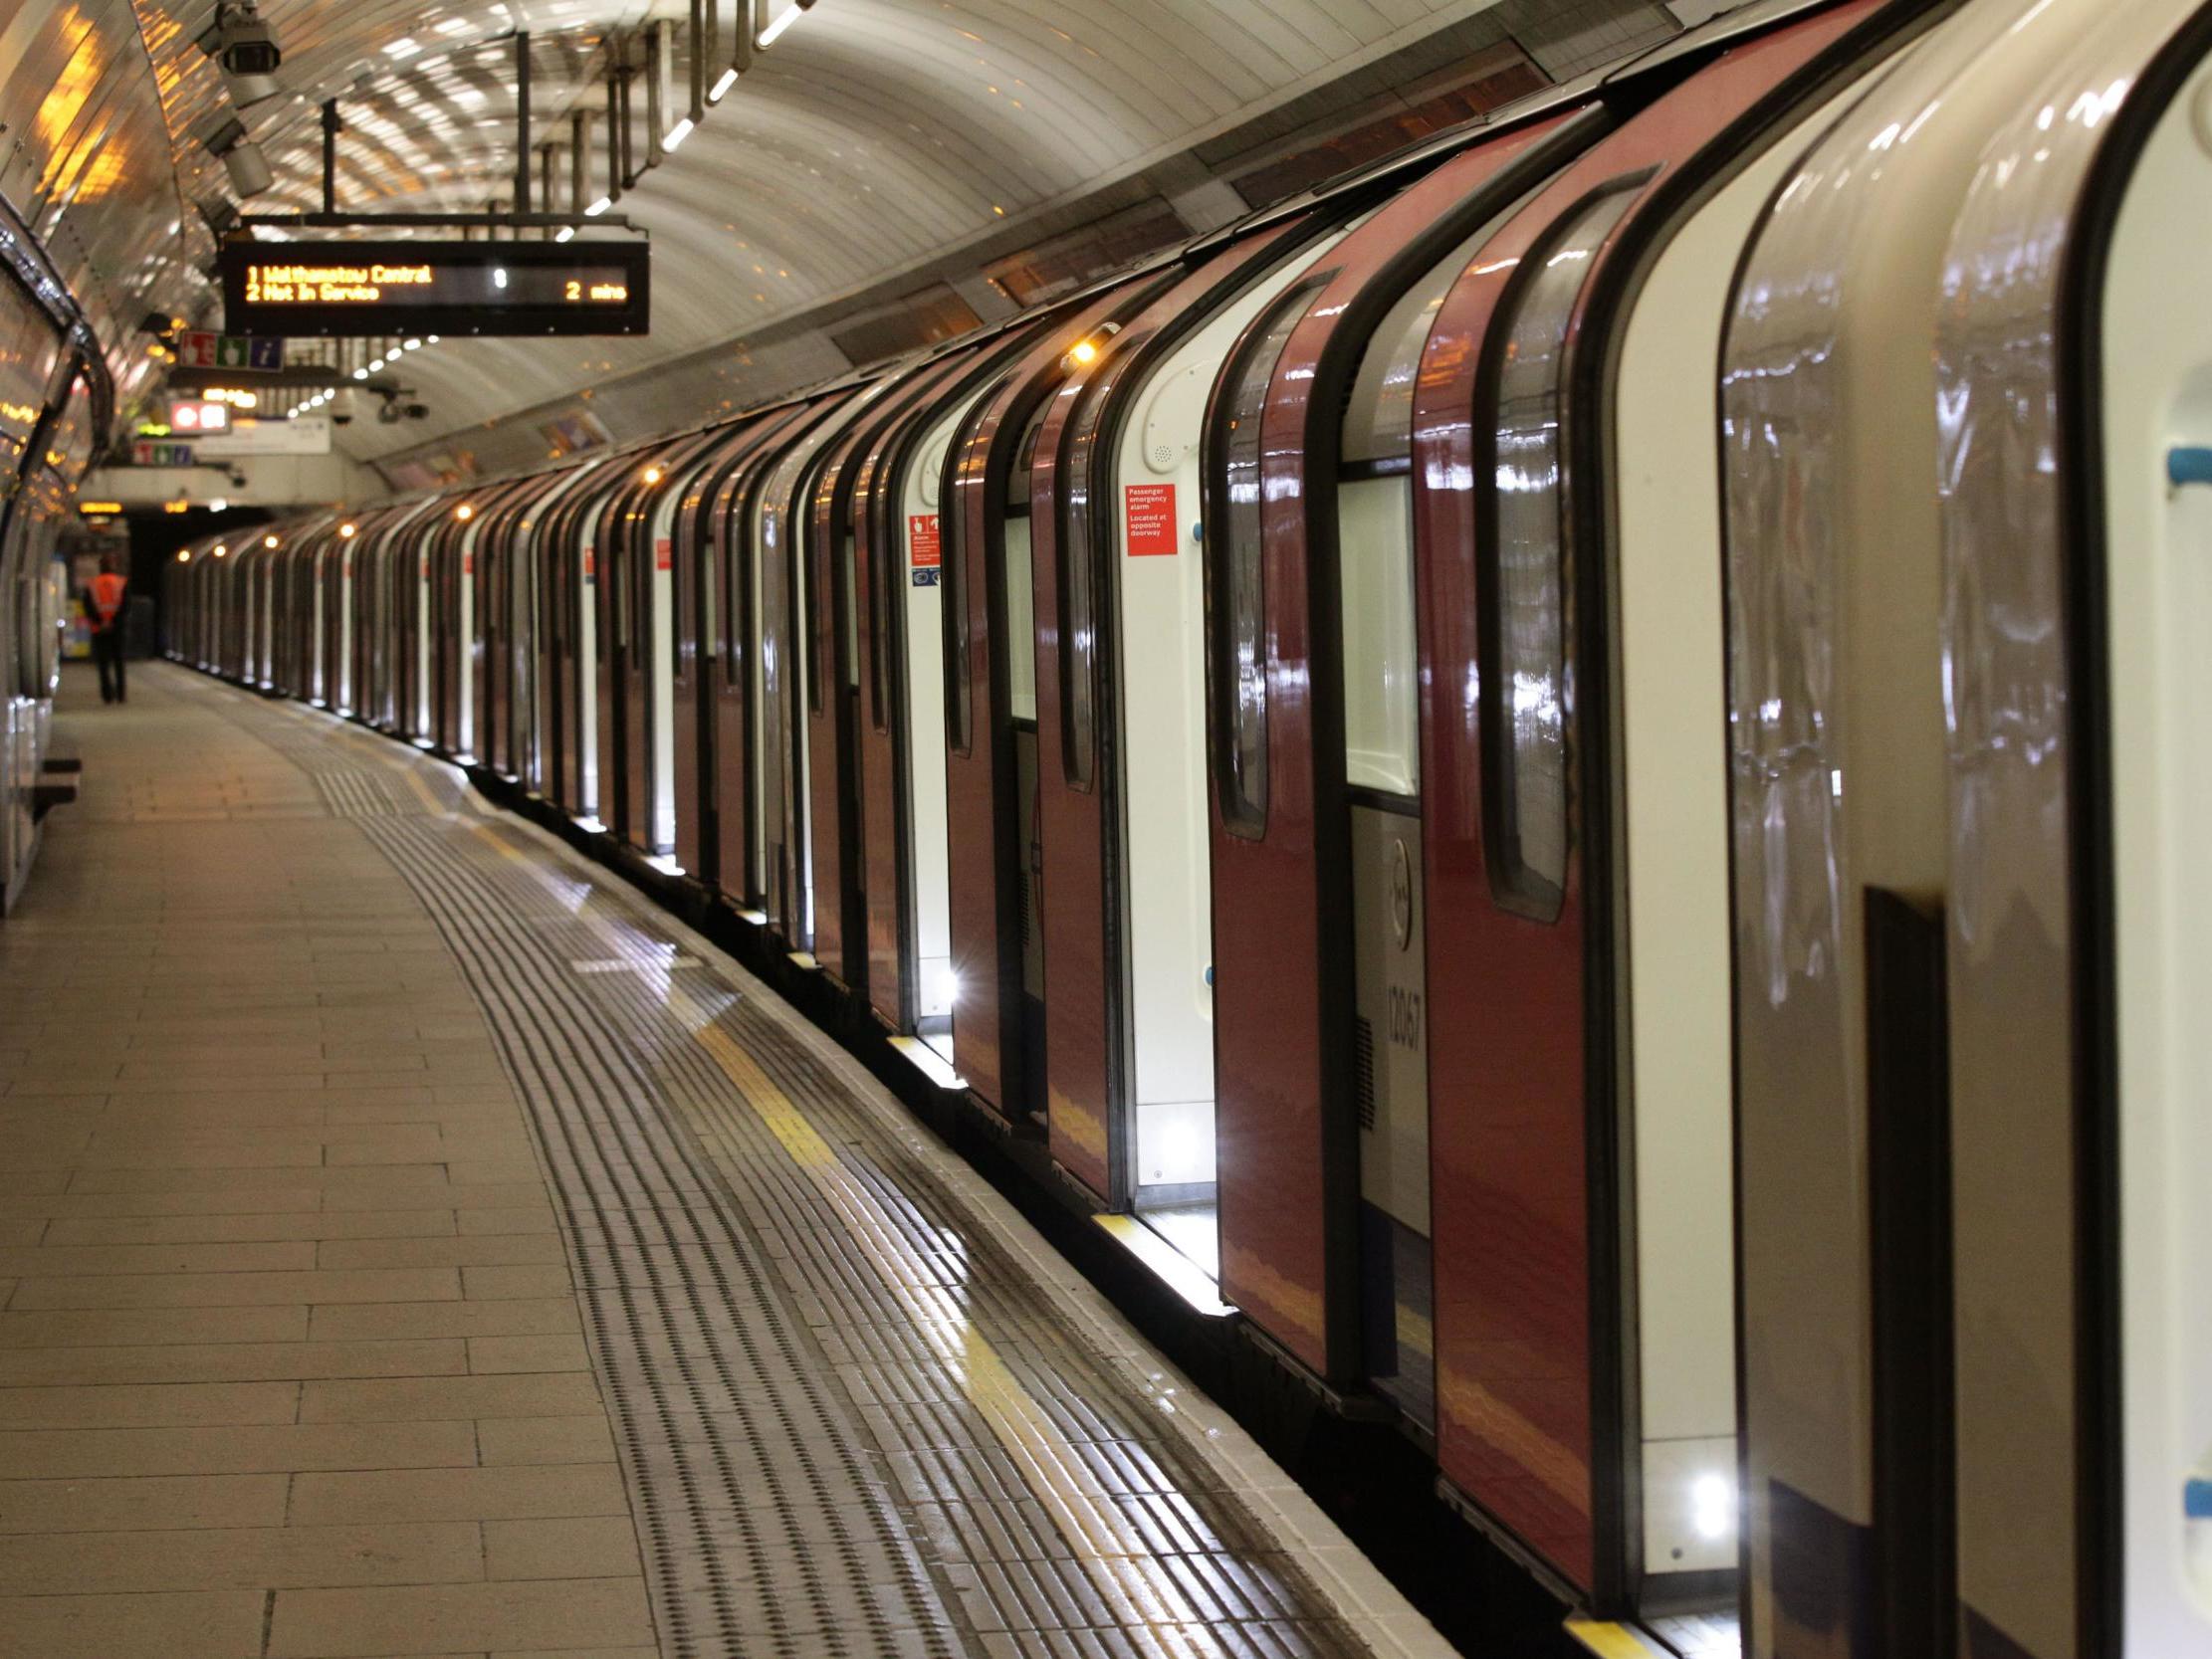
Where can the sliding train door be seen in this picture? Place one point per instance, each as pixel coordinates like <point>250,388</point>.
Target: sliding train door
<point>1285,1113</point>
<point>1128,999</point>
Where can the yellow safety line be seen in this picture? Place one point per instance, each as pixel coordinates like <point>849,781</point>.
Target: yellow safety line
<point>1109,1543</point>
<point>1609,1641</point>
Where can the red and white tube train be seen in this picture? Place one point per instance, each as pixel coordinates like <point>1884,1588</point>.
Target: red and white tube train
<point>1567,761</point>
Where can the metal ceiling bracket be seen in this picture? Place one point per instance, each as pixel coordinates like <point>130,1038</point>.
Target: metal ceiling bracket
<point>450,221</point>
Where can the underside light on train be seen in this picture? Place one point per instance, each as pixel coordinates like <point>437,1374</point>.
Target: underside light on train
<point>348,530</point>
<point>184,556</point>
<point>268,541</point>
<point>652,475</point>
<point>1712,1506</point>
<point>221,552</point>
<point>464,512</point>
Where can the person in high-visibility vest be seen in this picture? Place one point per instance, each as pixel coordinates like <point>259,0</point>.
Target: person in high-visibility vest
<point>103,603</point>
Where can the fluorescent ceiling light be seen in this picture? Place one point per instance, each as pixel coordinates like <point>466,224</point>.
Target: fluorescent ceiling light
<point>677,134</point>
<point>401,48</point>
<point>596,208</point>
<point>721,88</point>
<point>566,233</point>
<point>781,21</point>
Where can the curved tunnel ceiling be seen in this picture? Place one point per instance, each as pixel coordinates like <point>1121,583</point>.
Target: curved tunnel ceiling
<point>871,139</point>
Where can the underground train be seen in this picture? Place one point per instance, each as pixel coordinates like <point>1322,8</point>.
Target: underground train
<point>1561,761</point>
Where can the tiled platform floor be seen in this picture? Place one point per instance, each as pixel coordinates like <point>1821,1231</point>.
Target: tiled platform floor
<point>338,1317</point>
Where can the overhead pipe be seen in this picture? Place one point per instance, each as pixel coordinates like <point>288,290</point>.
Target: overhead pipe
<point>627,82</point>
<point>660,52</point>
<point>522,120</point>
<point>332,125</point>
<point>702,51</point>
<point>548,171</point>
<point>580,170</point>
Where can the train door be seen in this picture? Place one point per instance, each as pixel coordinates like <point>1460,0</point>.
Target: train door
<point>542,522</point>
<point>991,771</point>
<point>1120,599</point>
<point>842,524</point>
<point>1282,956</point>
<point>1525,874</point>
<point>485,573</point>
<point>618,612</point>
<point>564,558</point>
<point>783,853</point>
<point>342,693</point>
<point>915,534</point>
<point>699,647</point>
<point>2002,794</point>
<point>735,672</point>
<point>2131,377</point>
<point>649,681</point>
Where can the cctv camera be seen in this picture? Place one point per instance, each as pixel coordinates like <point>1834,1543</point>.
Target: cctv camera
<point>238,40</point>
<point>248,169</point>
<point>345,406</point>
<point>224,134</point>
<point>418,411</point>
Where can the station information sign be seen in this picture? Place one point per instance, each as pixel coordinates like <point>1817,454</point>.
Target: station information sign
<point>436,287</point>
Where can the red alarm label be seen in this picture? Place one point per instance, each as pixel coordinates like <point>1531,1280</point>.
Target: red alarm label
<point>468,564</point>
<point>664,553</point>
<point>1149,513</point>
<point>921,540</point>
<point>591,563</point>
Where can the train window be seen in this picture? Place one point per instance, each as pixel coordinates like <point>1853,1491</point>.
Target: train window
<point>1525,691</point>
<point>1236,573</point>
<point>1078,606</point>
<point>883,589</point>
<point>958,710</point>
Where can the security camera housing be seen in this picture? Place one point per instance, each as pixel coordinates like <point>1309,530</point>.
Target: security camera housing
<point>248,169</point>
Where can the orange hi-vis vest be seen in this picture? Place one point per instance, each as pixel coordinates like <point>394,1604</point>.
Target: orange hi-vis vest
<point>107,596</point>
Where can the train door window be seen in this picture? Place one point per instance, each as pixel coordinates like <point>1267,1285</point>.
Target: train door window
<point>1525,690</point>
<point>1239,588</point>
<point>849,575</point>
<point>1022,629</point>
<point>1078,605</point>
<point>958,711</point>
<point>884,542</point>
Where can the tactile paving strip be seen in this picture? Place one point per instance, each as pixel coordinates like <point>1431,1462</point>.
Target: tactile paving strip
<point>853,1421</point>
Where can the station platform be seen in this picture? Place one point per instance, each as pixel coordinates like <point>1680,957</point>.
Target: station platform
<point>413,1243</point>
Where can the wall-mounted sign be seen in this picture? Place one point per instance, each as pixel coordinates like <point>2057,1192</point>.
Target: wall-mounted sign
<point>201,349</point>
<point>1151,519</point>
<point>249,436</point>
<point>446,287</point>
